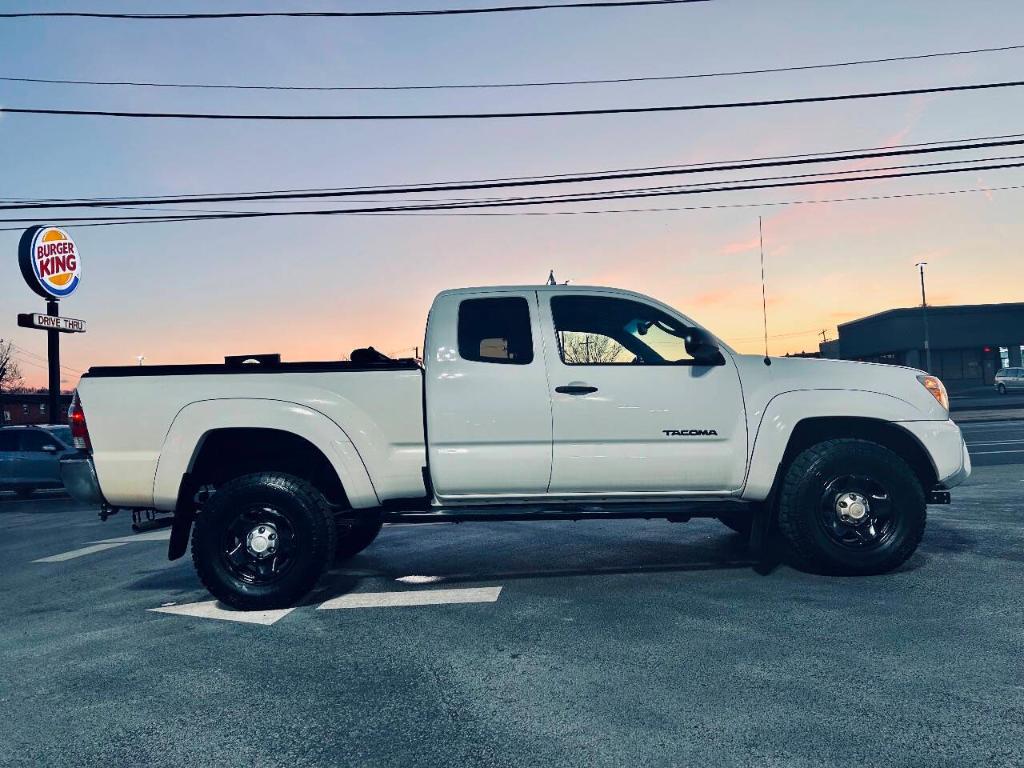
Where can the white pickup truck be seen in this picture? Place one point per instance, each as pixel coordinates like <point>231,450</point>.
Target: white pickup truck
<point>550,402</point>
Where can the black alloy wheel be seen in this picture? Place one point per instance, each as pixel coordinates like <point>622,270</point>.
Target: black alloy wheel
<point>259,545</point>
<point>856,511</point>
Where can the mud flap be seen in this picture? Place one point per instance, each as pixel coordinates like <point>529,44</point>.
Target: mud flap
<point>184,514</point>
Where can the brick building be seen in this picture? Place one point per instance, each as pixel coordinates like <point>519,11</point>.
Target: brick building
<point>31,408</point>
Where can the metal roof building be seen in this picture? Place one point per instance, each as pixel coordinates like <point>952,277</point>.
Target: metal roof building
<point>969,342</point>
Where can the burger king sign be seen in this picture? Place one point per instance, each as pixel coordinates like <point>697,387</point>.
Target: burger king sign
<point>50,262</point>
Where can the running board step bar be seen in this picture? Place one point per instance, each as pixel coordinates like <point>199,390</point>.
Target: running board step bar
<point>658,510</point>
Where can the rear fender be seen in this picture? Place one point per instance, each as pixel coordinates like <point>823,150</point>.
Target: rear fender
<point>195,421</point>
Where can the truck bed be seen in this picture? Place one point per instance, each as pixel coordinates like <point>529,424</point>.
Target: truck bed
<point>145,422</point>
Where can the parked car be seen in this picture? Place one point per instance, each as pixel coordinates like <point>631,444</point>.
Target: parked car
<point>1009,378</point>
<point>30,457</point>
<point>533,403</point>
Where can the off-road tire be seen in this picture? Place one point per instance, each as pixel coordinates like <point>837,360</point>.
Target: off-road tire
<point>354,534</point>
<point>305,509</point>
<point>801,498</point>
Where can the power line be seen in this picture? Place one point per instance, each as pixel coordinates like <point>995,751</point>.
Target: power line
<point>507,115</point>
<point>664,209</point>
<point>341,14</point>
<point>24,351</point>
<point>795,160</point>
<point>538,200</point>
<point>824,156</point>
<point>536,84</point>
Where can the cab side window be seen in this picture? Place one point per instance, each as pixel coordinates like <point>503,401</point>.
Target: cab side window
<point>601,330</point>
<point>496,331</point>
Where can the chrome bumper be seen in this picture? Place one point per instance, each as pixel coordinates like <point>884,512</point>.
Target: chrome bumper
<point>80,481</point>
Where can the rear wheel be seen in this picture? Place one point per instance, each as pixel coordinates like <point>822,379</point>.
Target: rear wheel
<point>355,534</point>
<point>852,507</point>
<point>263,540</point>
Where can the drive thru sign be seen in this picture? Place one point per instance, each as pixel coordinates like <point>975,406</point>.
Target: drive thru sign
<point>50,323</point>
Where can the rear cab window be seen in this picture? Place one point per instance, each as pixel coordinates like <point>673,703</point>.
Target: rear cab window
<point>496,330</point>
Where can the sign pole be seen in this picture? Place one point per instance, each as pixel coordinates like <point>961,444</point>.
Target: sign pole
<point>53,357</point>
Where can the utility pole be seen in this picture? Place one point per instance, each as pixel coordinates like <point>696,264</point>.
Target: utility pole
<point>924,317</point>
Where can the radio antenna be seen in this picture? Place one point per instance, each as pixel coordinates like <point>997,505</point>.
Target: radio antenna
<point>764,300</point>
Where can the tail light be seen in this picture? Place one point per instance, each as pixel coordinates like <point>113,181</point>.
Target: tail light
<point>79,429</point>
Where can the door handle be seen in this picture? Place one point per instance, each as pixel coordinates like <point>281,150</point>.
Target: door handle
<point>575,389</point>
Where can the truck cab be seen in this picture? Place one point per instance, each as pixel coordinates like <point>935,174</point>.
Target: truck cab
<point>586,392</point>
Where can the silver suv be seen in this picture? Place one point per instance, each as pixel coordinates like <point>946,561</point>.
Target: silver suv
<point>30,457</point>
<point>1009,378</point>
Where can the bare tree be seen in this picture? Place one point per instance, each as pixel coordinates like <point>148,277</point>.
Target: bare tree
<point>590,348</point>
<point>10,374</point>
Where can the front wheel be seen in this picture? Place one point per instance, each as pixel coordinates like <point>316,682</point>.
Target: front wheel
<point>851,507</point>
<point>1001,389</point>
<point>263,541</point>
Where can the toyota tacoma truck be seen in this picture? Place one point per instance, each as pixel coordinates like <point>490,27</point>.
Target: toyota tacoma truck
<point>531,403</point>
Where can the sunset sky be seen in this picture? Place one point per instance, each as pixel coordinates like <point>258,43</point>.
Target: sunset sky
<point>314,288</point>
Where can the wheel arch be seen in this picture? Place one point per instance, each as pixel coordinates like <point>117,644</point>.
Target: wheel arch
<point>793,423</point>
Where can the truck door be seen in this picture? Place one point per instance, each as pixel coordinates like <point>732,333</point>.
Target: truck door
<point>488,410</point>
<point>632,411</point>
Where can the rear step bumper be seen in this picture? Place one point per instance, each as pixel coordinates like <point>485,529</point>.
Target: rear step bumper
<point>79,477</point>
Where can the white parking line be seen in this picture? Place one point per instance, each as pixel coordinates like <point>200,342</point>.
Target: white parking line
<point>987,453</point>
<point>419,597</point>
<point>79,552</point>
<point>212,609</point>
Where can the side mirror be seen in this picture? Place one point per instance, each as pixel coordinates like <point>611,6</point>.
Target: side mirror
<point>702,348</point>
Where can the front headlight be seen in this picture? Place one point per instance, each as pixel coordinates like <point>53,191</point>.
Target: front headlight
<point>938,391</point>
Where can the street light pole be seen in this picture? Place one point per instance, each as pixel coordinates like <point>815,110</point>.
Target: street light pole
<point>924,316</point>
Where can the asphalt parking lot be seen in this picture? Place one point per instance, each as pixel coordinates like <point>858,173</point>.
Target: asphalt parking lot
<point>614,643</point>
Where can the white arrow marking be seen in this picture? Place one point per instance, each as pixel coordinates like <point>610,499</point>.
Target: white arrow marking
<point>418,597</point>
<point>212,609</point>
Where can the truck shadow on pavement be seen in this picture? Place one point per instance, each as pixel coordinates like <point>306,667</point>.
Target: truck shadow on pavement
<point>403,560</point>
<point>508,560</point>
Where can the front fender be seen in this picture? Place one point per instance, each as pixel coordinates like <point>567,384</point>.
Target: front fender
<point>195,421</point>
<point>784,411</point>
